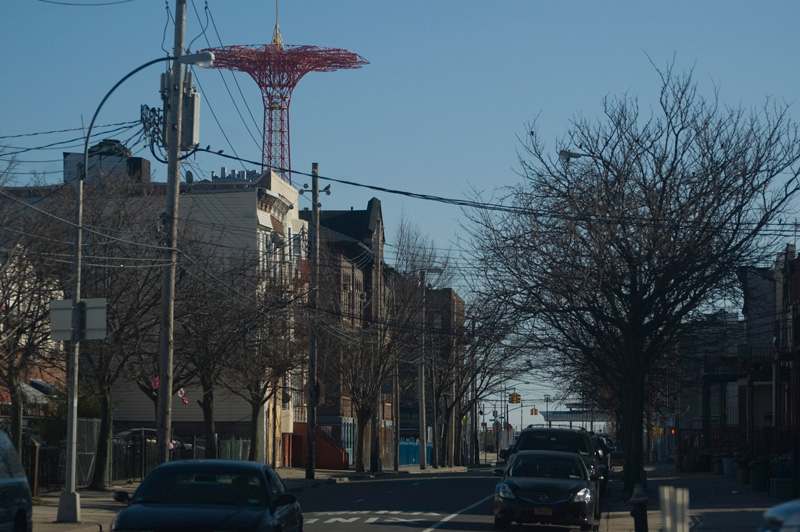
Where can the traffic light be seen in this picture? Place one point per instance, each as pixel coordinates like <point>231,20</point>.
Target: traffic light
<point>534,411</point>
<point>514,398</point>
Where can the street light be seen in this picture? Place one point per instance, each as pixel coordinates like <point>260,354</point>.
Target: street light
<point>69,508</point>
<point>547,410</point>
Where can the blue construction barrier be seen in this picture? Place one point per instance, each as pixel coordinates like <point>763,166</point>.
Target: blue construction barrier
<point>409,453</point>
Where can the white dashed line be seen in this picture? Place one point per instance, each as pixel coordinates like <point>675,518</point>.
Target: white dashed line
<point>451,516</point>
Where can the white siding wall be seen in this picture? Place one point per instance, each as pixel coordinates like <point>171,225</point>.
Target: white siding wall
<point>131,404</point>
<point>225,218</point>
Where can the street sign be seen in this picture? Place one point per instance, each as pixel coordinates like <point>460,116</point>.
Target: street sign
<point>61,319</point>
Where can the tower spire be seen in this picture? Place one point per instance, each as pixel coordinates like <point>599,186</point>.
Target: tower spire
<point>277,40</point>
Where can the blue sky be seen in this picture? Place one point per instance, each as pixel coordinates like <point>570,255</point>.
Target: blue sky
<point>450,84</point>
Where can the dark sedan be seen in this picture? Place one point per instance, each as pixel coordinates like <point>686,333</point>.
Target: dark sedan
<point>548,488</point>
<point>219,495</point>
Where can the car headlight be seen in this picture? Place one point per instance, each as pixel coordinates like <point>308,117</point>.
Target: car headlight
<point>584,495</point>
<point>504,491</point>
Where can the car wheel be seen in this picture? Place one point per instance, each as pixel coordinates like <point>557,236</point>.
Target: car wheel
<point>19,523</point>
<point>501,524</point>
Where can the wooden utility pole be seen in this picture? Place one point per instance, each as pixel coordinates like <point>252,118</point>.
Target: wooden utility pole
<point>423,445</point>
<point>476,425</point>
<point>164,418</point>
<point>396,414</point>
<point>313,234</point>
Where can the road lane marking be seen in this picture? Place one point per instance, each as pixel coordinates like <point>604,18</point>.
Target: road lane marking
<point>341,520</point>
<point>371,512</point>
<point>451,516</point>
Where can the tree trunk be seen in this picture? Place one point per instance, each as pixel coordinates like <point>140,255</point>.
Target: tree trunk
<point>361,428</point>
<point>275,434</point>
<point>255,411</point>
<point>209,426</point>
<point>375,444</point>
<point>633,420</point>
<point>103,442</point>
<point>444,442</point>
<point>17,404</point>
<point>459,438</point>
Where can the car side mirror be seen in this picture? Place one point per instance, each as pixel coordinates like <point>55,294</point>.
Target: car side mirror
<point>503,454</point>
<point>122,496</point>
<point>285,500</point>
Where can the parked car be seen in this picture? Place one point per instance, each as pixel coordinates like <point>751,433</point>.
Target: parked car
<point>576,441</point>
<point>220,495</point>
<point>547,488</point>
<point>16,510</point>
<point>784,517</point>
<point>150,435</point>
<point>603,458</point>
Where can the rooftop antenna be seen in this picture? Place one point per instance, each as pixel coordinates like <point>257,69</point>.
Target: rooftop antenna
<point>276,69</point>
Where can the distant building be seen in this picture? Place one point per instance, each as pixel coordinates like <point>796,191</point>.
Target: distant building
<point>108,158</point>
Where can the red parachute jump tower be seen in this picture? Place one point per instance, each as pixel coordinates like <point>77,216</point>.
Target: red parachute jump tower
<point>277,68</point>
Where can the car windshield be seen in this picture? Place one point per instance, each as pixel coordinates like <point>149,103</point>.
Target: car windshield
<point>545,467</point>
<point>198,486</point>
<point>566,442</point>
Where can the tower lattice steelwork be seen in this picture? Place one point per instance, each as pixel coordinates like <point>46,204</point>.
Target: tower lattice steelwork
<point>277,68</point>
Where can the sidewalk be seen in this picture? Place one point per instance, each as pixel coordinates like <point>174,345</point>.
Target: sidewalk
<point>716,502</point>
<point>98,508</point>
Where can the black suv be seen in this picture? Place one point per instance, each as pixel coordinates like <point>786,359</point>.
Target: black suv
<point>560,439</point>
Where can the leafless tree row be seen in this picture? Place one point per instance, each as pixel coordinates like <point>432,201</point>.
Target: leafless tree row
<point>609,250</point>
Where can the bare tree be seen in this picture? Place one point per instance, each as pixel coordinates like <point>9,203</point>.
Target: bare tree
<point>267,344</point>
<point>29,281</point>
<point>608,250</point>
<point>122,263</point>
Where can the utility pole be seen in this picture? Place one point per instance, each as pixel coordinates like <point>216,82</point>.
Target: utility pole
<point>477,451</point>
<point>69,503</point>
<point>396,414</point>
<point>313,234</point>
<point>434,415</point>
<point>164,418</point>
<point>547,410</point>
<point>423,445</point>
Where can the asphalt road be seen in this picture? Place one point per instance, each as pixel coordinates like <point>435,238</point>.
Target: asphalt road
<point>424,502</point>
